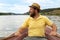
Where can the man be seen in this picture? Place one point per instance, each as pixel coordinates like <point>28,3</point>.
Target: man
<point>36,25</point>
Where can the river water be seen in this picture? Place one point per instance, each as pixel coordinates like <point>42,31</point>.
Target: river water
<point>10,23</point>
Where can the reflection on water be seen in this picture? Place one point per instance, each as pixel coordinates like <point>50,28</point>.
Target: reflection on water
<point>10,23</point>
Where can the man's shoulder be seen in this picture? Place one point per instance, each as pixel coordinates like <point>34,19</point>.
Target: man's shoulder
<point>28,18</point>
<point>43,16</point>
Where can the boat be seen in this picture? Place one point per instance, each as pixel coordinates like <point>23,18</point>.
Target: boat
<point>25,34</point>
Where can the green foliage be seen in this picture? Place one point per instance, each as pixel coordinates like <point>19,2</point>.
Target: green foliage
<point>50,11</point>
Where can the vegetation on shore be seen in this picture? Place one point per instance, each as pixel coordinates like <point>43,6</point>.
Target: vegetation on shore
<point>49,11</point>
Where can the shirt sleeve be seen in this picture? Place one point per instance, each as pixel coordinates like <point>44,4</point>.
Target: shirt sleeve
<point>25,24</point>
<point>48,21</point>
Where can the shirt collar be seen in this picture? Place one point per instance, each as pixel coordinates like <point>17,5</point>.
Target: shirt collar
<point>40,16</point>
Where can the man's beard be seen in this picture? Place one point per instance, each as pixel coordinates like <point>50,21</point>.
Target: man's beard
<point>32,15</point>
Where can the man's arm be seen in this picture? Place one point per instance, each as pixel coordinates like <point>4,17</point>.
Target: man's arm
<point>20,31</point>
<point>52,25</point>
<point>24,26</point>
<point>54,30</point>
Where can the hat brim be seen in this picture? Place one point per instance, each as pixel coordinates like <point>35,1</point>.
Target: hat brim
<point>33,7</point>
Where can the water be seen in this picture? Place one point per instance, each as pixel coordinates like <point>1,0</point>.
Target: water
<point>10,23</point>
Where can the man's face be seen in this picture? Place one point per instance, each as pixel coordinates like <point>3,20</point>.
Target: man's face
<point>32,12</point>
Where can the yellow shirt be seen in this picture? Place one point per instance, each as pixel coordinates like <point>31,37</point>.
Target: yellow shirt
<point>36,27</point>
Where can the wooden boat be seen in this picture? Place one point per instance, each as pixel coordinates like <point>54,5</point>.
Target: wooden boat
<point>24,34</point>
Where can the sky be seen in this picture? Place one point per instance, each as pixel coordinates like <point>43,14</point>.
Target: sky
<point>22,6</point>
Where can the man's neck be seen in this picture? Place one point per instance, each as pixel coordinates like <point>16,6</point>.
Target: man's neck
<point>36,16</point>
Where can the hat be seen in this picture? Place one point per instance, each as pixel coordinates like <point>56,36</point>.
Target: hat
<point>35,5</point>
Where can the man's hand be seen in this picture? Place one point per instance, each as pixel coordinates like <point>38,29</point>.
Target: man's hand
<point>53,33</point>
<point>54,30</point>
<point>18,34</point>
